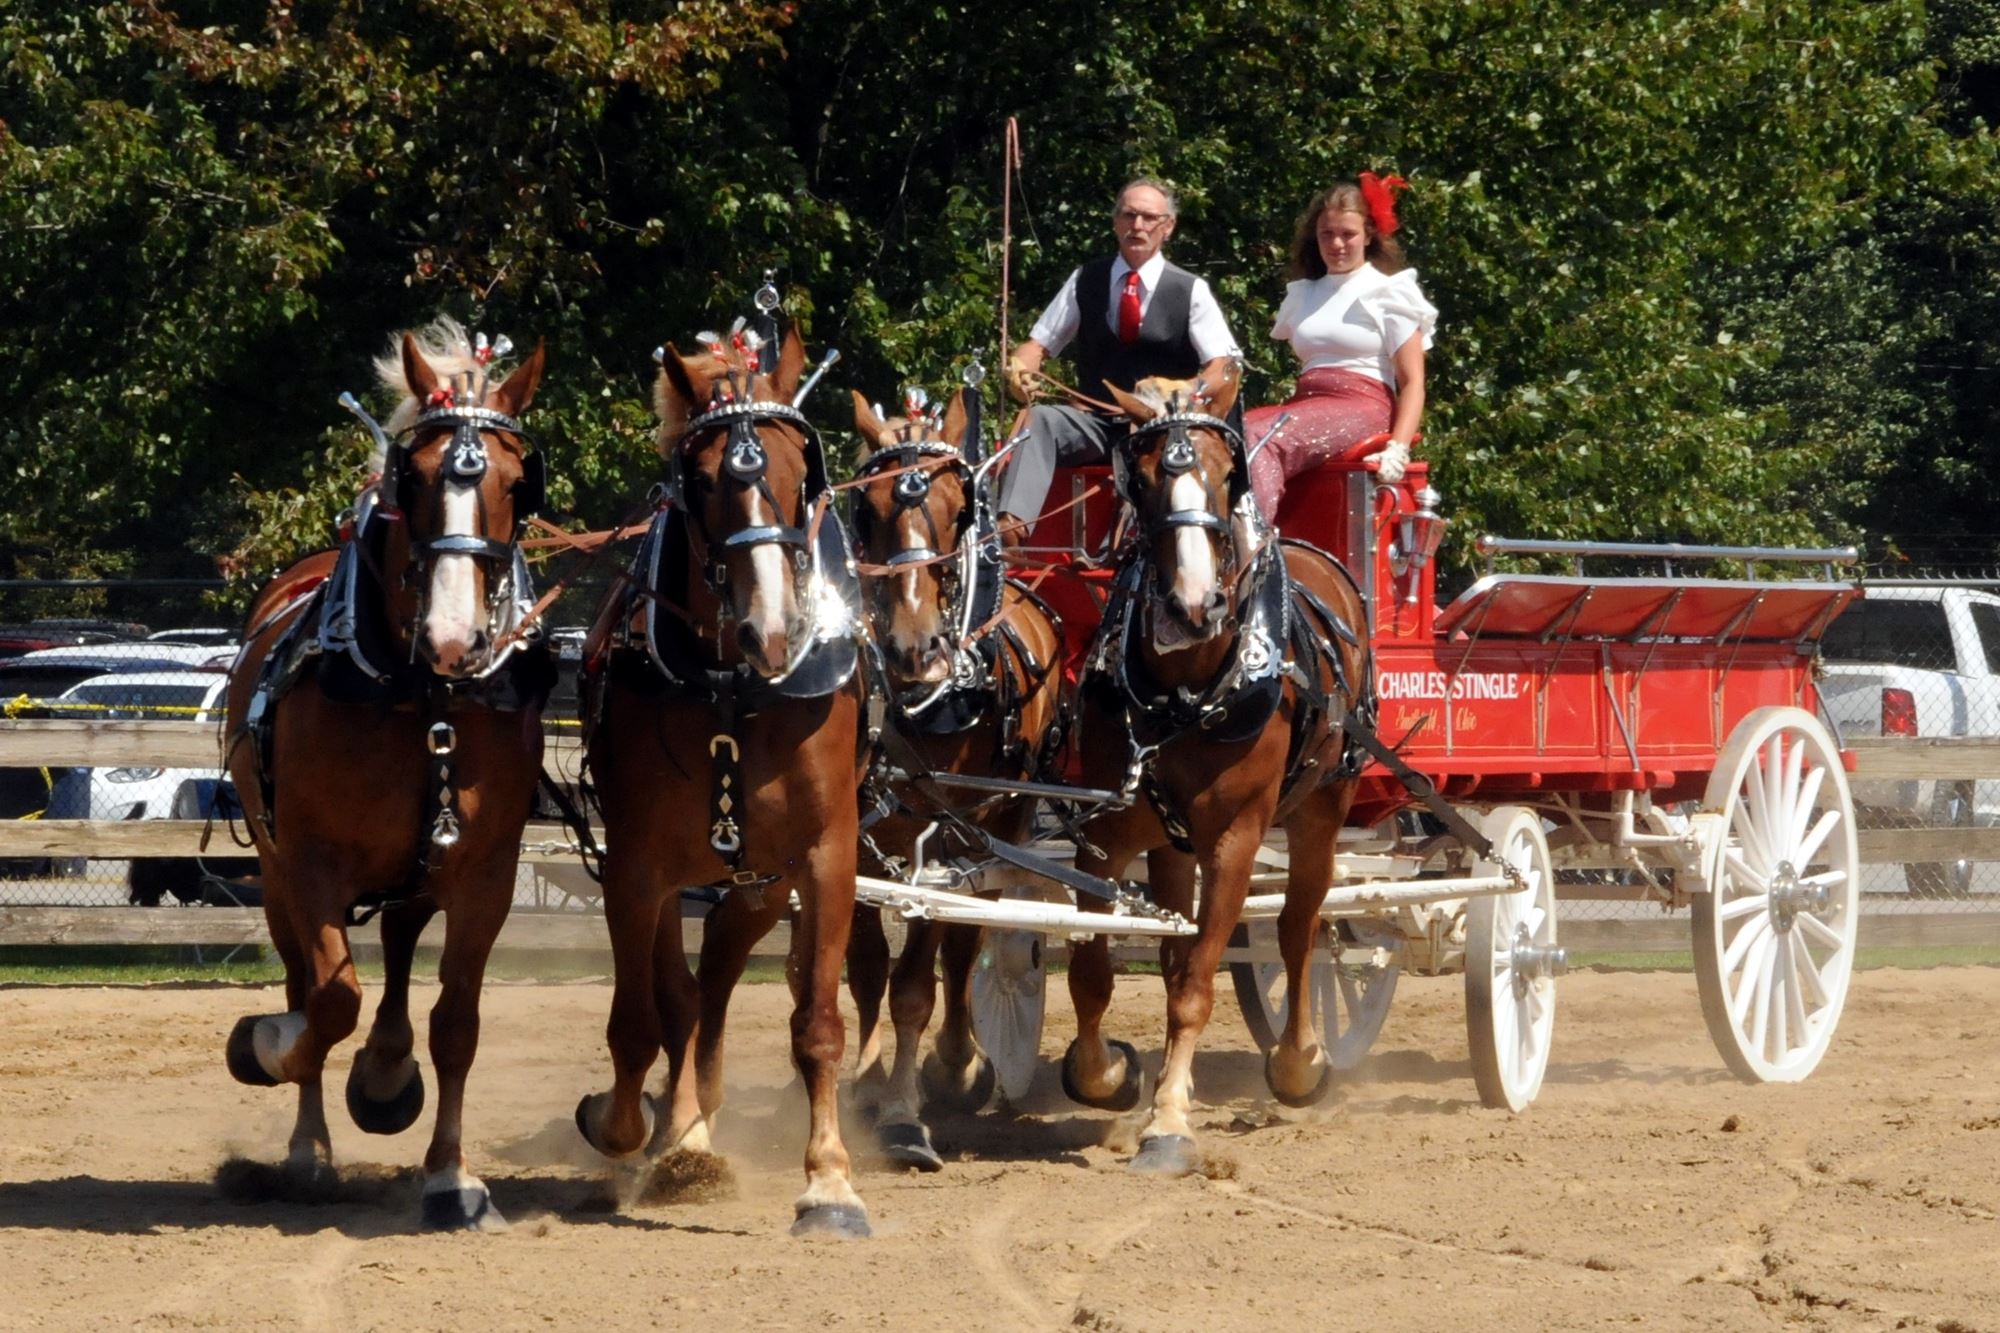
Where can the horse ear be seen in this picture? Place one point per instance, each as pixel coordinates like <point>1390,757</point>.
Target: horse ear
<point>1132,407</point>
<point>674,399</point>
<point>676,377</point>
<point>872,427</point>
<point>517,391</point>
<point>791,364</point>
<point>954,421</point>
<point>1221,383</point>
<point>417,372</point>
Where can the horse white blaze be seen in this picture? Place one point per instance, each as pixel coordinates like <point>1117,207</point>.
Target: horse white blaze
<point>766,611</point>
<point>1194,557</point>
<point>455,615</point>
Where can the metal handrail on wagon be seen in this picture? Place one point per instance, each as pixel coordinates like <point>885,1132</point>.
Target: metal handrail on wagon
<point>1491,546</point>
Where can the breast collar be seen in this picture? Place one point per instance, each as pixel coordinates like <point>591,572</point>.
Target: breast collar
<point>1256,667</point>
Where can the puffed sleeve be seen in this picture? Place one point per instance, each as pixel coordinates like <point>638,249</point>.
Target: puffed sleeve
<point>1288,313</point>
<point>1400,307</point>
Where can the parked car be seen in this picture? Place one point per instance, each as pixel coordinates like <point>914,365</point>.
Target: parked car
<point>196,636</point>
<point>32,682</point>
<point>1919,660</point>
<point>142,792</point>
<point>44,674</point>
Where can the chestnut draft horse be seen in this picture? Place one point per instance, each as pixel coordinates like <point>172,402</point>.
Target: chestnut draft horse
<point>722,715</point>
<point>384,731</point>
<point>1218,686</point>
<point>971,661</point>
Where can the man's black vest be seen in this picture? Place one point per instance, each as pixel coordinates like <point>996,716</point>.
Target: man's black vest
<point>1165,346</point>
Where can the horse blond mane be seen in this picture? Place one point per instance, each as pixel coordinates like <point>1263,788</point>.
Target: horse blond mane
<point>1159,393</point>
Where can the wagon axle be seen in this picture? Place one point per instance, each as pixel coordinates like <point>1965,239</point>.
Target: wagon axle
<point>1533,962</point>
<point>1790,895</point>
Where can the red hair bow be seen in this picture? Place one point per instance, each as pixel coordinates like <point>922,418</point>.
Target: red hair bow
<point>1379,192</point>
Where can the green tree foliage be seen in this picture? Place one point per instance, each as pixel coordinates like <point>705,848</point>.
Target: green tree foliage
<point>1706,268</point>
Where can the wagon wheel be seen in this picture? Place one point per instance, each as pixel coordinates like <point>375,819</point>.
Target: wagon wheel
<point>1009,993</point>
<point>1511,963</point>
<point>1774,934</point>
<point>1349,990</point>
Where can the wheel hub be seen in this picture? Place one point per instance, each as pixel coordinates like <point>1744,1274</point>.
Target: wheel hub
<point>1790,896</point>
<point>1532,962</point>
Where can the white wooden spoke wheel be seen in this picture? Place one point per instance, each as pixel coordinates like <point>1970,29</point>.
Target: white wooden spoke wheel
<point>1774,934</point>
<point>1349,987</point>
<point>1511,963</point>
<point>1009,994</point>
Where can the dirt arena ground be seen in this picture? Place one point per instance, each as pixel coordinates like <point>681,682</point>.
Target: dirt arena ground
<point>1646,1187</point>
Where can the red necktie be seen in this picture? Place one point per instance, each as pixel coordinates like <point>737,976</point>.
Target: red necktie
<point>1128,310</point>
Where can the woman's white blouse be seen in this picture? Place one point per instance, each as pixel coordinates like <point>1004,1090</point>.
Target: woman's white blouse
<point>1328,329</point>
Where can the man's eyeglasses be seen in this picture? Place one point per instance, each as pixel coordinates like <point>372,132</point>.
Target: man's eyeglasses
<point>1131,215</point>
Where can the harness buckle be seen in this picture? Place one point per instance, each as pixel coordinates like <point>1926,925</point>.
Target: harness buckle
<point>720,739</point>
<point>725,837</point>
<point>442,739</point>
<point>744,879</point>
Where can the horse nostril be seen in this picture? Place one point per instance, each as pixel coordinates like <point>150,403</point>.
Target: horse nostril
<point>749,639</point>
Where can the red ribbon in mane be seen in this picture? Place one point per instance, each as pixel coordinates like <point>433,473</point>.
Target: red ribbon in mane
<point>1379,193</point>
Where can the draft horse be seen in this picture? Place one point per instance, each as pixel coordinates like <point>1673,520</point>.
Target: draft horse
<point>722,715</point>
<point>1215,696</point>
<point>384,733</point>
<point>970,672</point>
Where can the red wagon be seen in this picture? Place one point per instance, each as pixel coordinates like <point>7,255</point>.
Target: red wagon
<point>1648,737</point>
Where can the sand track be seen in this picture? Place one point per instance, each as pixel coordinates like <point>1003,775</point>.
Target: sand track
<point>1646,1186</point>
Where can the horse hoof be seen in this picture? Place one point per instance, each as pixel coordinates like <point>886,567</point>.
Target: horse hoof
<point>308,1181</point>
<point>842,1221</point>
<point>454,1201</point>
<point>909,1145</point>
<point>1166,1155</point>
<point>1122,1098</point>
<point>389,1117</point>
<point>591,1108</point>
<point>1293,1100</point>
<point>241,1052</point>
<point>945,1093</point>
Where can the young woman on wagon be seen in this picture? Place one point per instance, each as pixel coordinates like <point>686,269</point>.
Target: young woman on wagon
<point>1360,326</point>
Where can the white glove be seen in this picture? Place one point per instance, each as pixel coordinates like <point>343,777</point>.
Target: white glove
<point>1390,463</point>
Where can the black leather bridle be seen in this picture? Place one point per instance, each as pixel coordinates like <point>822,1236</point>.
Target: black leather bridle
<point>1177,458</point>
<point>745,463</point>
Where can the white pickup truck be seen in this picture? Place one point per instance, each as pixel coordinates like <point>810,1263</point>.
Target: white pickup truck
<point>1919,660</point>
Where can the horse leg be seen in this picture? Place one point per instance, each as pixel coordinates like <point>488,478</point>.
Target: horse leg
<point>732,930</point>
<point>1096,1072</point>
<point>958,1076</point>
<point>268,1049</point>
<point>677,998</point>
<point>867,982</point>
<point>455,1199</point>
<point>1297,1070</point>
<point>912,998</point>
<point>829,1204</point>
<point>385,1088</point>
<point>1166,1144</point>
<point>620,1122</point>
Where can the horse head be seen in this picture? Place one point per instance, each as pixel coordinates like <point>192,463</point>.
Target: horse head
<point>461,478</point>
<point>914,517</point>
<point>1183,471</point>
<point>746,469</point>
